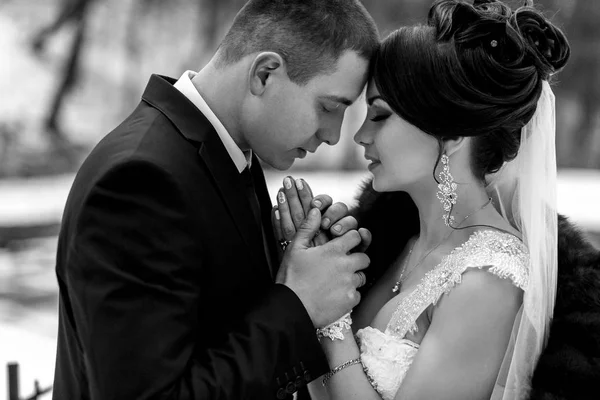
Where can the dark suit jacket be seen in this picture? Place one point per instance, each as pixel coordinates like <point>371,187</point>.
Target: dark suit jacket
<point>165,291</point>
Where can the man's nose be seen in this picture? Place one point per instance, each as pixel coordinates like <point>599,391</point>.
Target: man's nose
<point>330,135</point>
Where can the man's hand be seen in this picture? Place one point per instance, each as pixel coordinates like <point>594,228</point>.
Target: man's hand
<point>326,277</point>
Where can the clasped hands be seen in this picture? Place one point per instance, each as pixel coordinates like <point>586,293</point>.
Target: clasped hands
<point>324,260</point>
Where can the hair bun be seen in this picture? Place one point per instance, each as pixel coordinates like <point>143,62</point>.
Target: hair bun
<point>522,35</point>
<point>547,41</point>
<point>467,24</point>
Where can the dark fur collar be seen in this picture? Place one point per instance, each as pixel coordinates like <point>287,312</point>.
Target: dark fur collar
<point>569,367</point>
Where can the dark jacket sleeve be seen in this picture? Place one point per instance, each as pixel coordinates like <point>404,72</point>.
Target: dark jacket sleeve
<point>134,279</point>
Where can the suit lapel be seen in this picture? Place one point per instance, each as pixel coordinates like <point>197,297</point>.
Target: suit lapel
<point>194,126</point>
<point>231,188</point>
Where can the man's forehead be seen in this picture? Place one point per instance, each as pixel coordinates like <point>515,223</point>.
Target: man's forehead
<point>347,81</point>
<point>344,91</point>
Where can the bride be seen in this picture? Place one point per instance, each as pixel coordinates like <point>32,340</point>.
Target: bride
<point>460,135</point>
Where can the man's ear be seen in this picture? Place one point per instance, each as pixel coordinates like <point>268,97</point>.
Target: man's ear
<point>452,145</point>
<point>262,69</point>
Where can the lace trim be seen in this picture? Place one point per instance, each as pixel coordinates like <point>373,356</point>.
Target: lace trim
<point>385,359</point>
<point>504,254</point>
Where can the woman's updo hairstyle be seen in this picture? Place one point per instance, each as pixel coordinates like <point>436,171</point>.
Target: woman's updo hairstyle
<point>474,70</point>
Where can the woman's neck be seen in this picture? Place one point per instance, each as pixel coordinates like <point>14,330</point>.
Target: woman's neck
<point>471,197</point>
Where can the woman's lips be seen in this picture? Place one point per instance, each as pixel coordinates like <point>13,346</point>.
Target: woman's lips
<point>373,165</point>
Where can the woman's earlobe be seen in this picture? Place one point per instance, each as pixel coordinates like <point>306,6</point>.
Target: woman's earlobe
<point>454,144</point>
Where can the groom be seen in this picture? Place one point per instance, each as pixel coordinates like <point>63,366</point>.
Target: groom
<point>166,260</point>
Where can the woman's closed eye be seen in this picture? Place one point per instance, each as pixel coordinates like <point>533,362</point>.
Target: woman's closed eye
<point>379,117</point>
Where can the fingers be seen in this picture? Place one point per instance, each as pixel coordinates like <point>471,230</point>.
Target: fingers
<point>287,227</point>
<point>344,225</point>
<point>321,238</point>
<point>308,229</point>
<point>308,191</point>
<point>346,242</point>
<point>304,194</point>
<point>322,202</point>
<point>276,222</point>
<point>359,279</point>
<point>366,239</point>
<point>333,214</point>
<point>358,261</point>
<point>294,203</point>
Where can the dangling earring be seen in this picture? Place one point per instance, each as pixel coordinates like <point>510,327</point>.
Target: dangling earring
<point>447,190</point>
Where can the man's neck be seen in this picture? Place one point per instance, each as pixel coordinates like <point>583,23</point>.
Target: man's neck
<point>222,94</point>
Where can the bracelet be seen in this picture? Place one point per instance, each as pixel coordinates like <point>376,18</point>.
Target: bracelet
<point>335,330</point>
<point>339,368</point>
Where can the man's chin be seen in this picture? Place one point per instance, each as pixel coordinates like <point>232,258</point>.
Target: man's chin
<point>285,165</point>
<point>281,164</point>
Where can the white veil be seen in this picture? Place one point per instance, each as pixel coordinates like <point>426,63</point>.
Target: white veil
<point>524,192</point>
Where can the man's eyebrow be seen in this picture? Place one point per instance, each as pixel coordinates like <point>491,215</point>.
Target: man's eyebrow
<point>339,99</point>
<point>372,99</point>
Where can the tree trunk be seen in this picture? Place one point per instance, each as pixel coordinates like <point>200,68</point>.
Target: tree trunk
<point>76,12</point>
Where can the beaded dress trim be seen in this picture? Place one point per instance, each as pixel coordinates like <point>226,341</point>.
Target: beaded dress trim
<point>500,253</point>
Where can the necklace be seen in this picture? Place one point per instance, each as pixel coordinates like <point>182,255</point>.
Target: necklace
<point>404,274</point>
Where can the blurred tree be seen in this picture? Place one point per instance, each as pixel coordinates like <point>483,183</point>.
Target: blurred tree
<point>152,27</point>
<point>74,12</point>
<point>581,80</point>
<point>215,17</point>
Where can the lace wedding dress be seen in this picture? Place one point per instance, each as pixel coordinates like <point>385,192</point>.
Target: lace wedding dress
<point>387,355</point>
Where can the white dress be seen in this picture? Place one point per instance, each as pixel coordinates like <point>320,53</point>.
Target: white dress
<point>387,356</point>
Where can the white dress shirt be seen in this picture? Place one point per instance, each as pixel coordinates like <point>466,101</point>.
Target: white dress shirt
<point>241,159</point>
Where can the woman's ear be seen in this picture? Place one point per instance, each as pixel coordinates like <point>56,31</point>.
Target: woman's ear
<point>452,145</point>
<point>263,69</point>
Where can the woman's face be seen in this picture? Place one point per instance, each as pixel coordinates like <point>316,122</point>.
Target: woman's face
<point>401,155</point>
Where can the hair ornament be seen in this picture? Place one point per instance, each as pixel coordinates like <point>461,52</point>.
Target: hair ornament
<point>494,43</point>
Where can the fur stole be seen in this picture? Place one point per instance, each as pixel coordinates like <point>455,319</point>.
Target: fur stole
<point>569,367</point>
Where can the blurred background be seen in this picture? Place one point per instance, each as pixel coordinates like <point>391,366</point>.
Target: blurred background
<point>71,70</point>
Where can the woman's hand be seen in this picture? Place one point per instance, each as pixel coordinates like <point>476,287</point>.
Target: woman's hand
<point>295,199</point>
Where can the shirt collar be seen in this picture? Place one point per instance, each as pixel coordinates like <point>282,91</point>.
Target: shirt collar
<point>241,159</point>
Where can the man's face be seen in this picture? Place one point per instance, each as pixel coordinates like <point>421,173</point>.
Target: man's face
<point>292,120</point>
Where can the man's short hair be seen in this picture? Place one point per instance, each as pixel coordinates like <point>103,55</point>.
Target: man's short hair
<point>310,35</point>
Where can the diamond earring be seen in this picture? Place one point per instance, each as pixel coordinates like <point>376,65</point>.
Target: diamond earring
<point>447,190</point>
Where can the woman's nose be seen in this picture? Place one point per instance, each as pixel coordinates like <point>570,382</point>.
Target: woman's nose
<point>363,137</point>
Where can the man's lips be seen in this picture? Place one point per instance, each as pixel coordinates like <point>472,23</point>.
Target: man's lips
<point>304,151</point>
